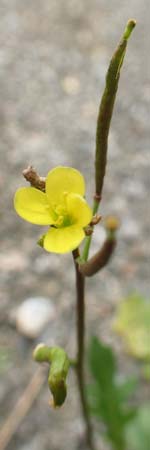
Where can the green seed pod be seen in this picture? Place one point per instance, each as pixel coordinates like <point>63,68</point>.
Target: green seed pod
<point>59,367</point>
<point>57,375</point>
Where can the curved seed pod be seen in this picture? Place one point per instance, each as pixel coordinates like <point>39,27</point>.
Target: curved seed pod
<point>99,260</point>
<point>59,367</point>
<point>57,375</point>
<point>102,257</point>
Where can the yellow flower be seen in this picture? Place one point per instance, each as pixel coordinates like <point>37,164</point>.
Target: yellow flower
<point>61,205</point>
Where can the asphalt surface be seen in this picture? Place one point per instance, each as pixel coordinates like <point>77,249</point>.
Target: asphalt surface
<point>53,60</point>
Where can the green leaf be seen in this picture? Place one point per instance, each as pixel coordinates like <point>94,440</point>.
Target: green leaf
<point>106,396</point>
<point>94,396</point>
<point>133,323</point>
<point>138,431</point>
<point>102,361</point>
<point>126,388</point>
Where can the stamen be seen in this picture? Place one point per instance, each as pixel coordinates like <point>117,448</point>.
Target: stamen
<point>59,212</point>
<point>59,221</point>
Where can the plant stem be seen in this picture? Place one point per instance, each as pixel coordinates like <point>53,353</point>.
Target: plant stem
<point>88,239</point>
<point>80,284</point>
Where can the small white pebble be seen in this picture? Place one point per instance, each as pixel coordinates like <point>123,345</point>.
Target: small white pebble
<point>71,85</point>
<point>33,315</point>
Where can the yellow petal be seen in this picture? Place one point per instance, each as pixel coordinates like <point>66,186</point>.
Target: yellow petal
<point>63,179</point>
<point>63,240</point>
<point>78,210</point>
<point>31,204</point>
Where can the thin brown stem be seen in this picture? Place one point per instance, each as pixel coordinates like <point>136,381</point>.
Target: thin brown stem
<point>80,284</point>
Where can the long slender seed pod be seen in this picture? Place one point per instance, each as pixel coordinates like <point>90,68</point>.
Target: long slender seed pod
<point>106,108</point>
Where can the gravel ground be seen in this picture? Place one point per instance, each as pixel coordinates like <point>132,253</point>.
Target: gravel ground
<point>53,59</point>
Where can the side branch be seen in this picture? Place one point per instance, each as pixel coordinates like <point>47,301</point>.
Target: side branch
<point>34,178</point>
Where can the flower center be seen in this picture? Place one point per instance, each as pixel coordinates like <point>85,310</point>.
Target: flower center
<point>60,214</point>
<point>62,217</point>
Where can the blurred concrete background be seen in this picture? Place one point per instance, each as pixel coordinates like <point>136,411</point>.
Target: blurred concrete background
<point>53,60</point>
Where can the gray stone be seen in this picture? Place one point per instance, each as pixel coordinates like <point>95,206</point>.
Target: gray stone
<point>130,229</point>
<point>33,315</point>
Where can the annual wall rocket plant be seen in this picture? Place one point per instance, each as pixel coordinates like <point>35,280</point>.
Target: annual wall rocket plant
<point>58,201</point>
